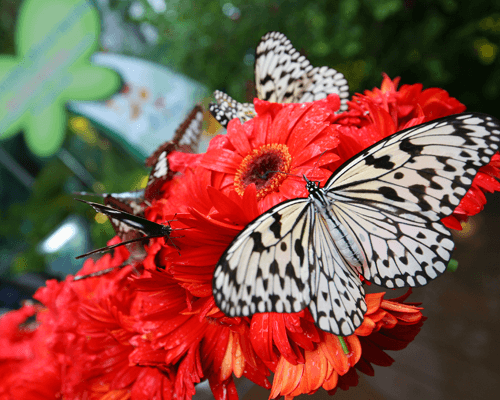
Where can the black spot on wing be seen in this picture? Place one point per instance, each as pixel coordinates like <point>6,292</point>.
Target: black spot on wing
<point>275,227</point>
<point>390,194</point>
<point>380,163</point>
<point>445,202</point>
<point>299,250</point>
<point>408,147</point>
<point>419,192</point>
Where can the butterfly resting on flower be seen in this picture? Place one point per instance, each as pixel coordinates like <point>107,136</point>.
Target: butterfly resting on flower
<point>282,75</point>
<point>126,210</point>
<point>378,215</point>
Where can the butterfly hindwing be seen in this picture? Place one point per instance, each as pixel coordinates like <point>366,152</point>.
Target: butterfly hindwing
<point>398,250</point>
<point>318,83</point>
<point>338,303</point>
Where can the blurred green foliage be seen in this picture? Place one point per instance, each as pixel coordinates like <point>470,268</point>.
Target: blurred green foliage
<point>445,43</point>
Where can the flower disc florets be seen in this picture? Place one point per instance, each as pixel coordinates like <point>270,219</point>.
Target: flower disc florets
<point>265,167</point>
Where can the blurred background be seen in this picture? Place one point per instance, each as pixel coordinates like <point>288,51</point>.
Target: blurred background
<point>204,45</point>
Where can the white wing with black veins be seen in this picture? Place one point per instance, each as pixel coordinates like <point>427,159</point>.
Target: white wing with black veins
<point>282,75</point>
<point>392,195</point>
<point>378,215</point>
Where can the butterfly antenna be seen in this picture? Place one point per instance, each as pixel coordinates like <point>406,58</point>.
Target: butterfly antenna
<point>317,162</point>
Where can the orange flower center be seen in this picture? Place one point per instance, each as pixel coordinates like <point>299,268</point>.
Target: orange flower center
<point>262,167</point>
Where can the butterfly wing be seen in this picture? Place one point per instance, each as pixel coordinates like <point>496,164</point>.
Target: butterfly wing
<point>392,195</point>
<point>143,225</point>
<point>284,261</point>
<point>188,134</point>
<point>186,138</point>
<point>266,267</point>
<point>130,226</point>
<point>130,202</point>
<point>277,66</point>
<point>338,303</point>
<point>226,108</point>
<point>318,83</point>
<point>282,75</point>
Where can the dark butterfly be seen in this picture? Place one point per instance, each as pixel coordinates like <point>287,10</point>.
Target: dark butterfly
<point>141,227</point>
<point>126,210</point>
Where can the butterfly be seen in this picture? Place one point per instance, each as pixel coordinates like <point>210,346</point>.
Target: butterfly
<point>378,215</point>
<point>128,222</point>
<point>186,139</point>
<point>126,210</point>
<point>282,75</point>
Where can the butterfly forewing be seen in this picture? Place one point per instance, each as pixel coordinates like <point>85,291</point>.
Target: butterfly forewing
<point>392,195</point>
<point>425,170</point>
<point>277,66</point>
<point>187,136</point>
<point>143,225</point>
<point>226,108</point>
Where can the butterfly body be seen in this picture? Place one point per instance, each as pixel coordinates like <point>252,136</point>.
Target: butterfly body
<point>345,242</point>
<point>378,215</point>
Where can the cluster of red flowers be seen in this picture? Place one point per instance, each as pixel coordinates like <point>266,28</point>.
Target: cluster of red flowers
<point>156,334</point>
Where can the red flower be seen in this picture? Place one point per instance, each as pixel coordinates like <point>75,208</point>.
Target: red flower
<point>328,365</point>
<point>382,112</point>
<point>156,332</point>
<point>290,138</point>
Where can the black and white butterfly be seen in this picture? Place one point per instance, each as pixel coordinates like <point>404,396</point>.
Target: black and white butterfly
<point>282,75</point>
<point>186,139</point>
<point>141,228</point>
<point>378,215</point>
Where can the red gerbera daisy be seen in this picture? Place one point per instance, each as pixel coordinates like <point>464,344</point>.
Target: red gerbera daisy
<point>159,333</point>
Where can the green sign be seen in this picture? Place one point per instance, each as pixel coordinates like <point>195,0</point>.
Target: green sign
<point>54,42</point>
